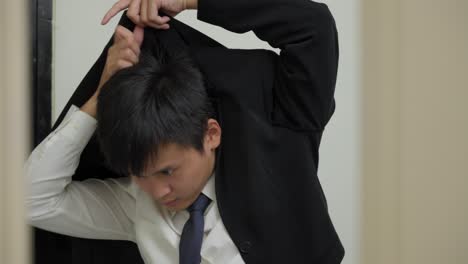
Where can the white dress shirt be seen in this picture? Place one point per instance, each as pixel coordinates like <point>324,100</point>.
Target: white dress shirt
<point>113,208</point>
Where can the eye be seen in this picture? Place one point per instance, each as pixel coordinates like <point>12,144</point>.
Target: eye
<point>141,177</point>
<point>167,172</point>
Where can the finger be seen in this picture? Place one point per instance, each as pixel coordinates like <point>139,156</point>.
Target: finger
<point>128,44</point>
<point>136,48</point>
<point>170,13</point>
<point>143,11</point>
<point>121,33</point>
<point>134,12</point>
<point>159,26</point>
<point>117,34</point>
<point>121,64</point>
<point>153,13</point>
<point>152,10</point>
<point>126,39</point>
<point>125,54</point>
<point>116,8</point>
<point>129,55</point>
<point>133,45</point>
<point>157,20</point>
<point>138,35</point>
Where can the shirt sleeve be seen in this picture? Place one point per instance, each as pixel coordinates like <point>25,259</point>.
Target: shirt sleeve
<point>96,209</point>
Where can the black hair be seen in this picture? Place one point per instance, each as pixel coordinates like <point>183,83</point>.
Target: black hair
<point>160,100</point>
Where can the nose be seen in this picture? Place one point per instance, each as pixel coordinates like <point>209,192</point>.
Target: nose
<point>156,188</point>
<point>159,189</point>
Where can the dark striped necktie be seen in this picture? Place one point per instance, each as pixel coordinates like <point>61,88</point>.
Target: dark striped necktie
<point>192,234</point>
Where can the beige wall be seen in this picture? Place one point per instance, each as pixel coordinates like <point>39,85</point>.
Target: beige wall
<point>14,69</point>
<point>416,132</point>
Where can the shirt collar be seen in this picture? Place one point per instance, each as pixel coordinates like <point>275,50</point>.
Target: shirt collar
<point>209,189</point>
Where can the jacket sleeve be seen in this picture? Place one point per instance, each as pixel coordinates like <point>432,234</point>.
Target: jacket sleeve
<point>305,71</point>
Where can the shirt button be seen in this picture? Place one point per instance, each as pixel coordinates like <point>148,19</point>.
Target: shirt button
<point>245,247</point>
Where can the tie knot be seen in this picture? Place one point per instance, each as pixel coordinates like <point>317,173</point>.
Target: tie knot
<point>200,204</point>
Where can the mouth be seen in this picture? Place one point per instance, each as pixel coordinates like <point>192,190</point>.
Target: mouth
<point>170,203</point>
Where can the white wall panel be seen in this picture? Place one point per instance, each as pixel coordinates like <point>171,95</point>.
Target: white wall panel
<point>79,39</point>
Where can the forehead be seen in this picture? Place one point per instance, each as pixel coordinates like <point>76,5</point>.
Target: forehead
<point>167,155</point>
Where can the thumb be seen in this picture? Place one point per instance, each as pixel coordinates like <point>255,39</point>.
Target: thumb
<point>138,34</point>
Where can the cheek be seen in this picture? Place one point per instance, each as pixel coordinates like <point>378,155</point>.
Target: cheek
<point>144,185</point>
<point>196,176</point>
<point>183,183</point>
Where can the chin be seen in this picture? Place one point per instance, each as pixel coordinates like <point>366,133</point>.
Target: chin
<point>177,207</point>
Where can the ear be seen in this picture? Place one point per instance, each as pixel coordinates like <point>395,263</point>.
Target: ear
<point>212,136</point>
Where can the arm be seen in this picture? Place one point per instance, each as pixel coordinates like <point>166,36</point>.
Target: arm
<point>123,53</point>
<point>305,31</point>
<point>92,208</point>
<point>307,66</point>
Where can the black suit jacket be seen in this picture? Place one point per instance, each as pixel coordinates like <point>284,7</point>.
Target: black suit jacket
<point>272,110</point>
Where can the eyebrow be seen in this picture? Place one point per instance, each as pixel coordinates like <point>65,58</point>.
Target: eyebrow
<point>174,164</point>
<point>167,167</point>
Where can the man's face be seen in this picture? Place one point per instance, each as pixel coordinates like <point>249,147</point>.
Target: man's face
<point>177,175</point>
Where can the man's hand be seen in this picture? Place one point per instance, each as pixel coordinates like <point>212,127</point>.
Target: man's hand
<point>124,52</point>
<point>146,12</point>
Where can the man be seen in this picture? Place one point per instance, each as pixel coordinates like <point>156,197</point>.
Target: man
<point>238,129</point>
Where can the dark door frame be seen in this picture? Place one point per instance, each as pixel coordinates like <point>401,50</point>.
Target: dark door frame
<point>41,29</point>
<point>48,247</point>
